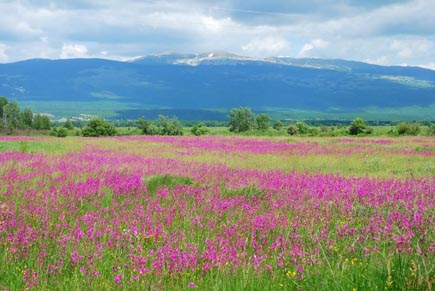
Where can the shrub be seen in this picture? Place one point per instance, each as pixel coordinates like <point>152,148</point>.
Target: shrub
<point>277,125</point>
<point>302,127</point>
<point>59,132</point>
<point>404,128</point>
<point>169,126</point>
<point>357,126</point>
<point>263,121</point>
<point>292,130</point>
<point>199,129</point>
<point>98,127</point>
<point>147,127</point>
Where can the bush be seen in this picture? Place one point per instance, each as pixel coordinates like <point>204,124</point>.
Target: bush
<point>169,126</point>
<point>147,127</point>
<point>59,132</point>
<point>199,129</point>
<point>277,125</point>
<point>68,124</point>
<point>404,128</point>
<point>263,121</point>
<point>357,126</point>
<point>292,130</point>
<point>302,127</point>
<point>98,127</point>
<point>431,130</point>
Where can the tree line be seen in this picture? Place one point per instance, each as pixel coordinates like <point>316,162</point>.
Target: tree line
<point>240,120</point>
<point>13,118</point>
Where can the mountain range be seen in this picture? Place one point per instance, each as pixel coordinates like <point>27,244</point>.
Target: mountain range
<point>206,86</point>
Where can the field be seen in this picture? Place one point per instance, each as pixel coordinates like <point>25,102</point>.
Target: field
<point>217,213</point>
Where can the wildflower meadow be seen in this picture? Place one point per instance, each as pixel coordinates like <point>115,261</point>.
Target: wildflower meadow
<point>217,213</point>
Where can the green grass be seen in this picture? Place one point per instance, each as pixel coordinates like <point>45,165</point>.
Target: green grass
<point>156,182</point>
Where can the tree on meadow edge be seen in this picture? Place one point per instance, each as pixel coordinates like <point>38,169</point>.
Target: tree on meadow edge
<point>11,115</point>
<point>147,127</point>
<point>98,127</point>
<point>199,129</point>
<point>3,102</point>
<point>68,124</point>
<point>357,126</point>
<point>169,126</point>
<point>302,127</point>
<point>405,128</point>
<point>263,121</point>
<point>27,118</point>
<point>41,122</point>
<point>277,125</point>
<point>241,119</point>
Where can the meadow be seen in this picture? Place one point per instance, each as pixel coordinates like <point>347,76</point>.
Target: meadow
<point>217,213</point>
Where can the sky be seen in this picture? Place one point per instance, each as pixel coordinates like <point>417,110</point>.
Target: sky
<point>389,32</point>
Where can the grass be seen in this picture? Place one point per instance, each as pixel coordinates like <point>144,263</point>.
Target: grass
<point>53,146</point>
<point>135,214</point>
<point>156,182</point>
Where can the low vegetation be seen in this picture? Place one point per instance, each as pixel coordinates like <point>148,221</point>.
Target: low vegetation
<point>217,213</point>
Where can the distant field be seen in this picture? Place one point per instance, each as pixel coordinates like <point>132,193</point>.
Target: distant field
<point>217,213</point>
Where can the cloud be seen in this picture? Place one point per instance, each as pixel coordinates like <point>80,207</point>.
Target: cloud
<point>387,32</point>
<point>70,51</point>
<point>308,48</point>
<point>269,46</point>
<point>430,66</point>
<point>3,56</point>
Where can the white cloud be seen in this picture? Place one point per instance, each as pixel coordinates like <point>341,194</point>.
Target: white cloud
<point>268,46</point>
<point>382,60</point>
<point>3,56</point>
<point>411,47</point>
<point>430,66</point>
<point>402,32</point>
<point>70,51</point>
<point>308,48</point>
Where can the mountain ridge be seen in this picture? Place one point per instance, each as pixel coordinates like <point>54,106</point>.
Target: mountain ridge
<point>214,82</point>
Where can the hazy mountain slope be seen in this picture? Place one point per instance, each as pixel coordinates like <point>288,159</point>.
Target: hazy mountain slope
<point>215,82</point>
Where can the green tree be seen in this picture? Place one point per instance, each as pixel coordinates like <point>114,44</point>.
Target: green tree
<point>41,122</point>
<point>68,124</point>
<point>357,126</point>
<point>405,128</point>
<point>169,126</point>
<point>3,102</point>
<point>59,132</point>
<point>27,118</point>
<point>302,127</point>
<point>147,126</point>
<point>431,130</point>
<point>98,127</point>
<point>241,119</point>
<point>11,115</point>
<point>199,129</point>
<point>37,121</point>
<point>292,129</point>
<point>263,121</point>
<point>277,125</point>
<point>414,129</point>
<point>45,122</point>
